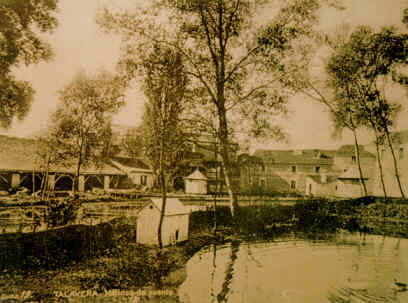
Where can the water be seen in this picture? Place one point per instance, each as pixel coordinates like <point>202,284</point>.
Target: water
<point>348,269</point>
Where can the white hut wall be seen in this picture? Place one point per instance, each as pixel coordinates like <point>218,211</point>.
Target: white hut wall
<point>175,229</point>
<point>147,225</point>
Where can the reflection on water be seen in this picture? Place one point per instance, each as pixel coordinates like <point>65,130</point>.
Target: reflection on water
<point>348,269</point>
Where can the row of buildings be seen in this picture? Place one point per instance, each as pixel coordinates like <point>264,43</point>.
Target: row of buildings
<point>333,173</point>
<point>312,172</point>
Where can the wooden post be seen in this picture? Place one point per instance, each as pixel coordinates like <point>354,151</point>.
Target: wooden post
<point>15,180</point>
<point>51,182</point>
<point>81,183</point>
<point>106,183</point>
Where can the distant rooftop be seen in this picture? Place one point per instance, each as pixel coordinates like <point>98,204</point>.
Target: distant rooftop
<point>309,156</point>
<point>294,156</point>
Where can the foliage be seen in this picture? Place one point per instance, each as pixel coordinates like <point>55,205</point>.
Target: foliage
<point>235,64</point>
<point>356,67</point>
<point>54,249</point>
<point>358,71</point>
<point>132,142</point>
<point>80,129</point>
<point>163,128</point>
<point>20,23</point>
<point>63,212</point>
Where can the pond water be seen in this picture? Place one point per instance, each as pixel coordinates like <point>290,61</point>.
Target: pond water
<point>346,269</point>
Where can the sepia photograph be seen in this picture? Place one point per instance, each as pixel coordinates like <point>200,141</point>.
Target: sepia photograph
<point>204,151</point>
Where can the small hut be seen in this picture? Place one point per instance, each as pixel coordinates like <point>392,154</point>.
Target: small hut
<point>196,183</point>
<point>175,222</point>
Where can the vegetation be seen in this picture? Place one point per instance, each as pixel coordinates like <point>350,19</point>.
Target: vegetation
<point>80,129</point>
<point>234,64</point>
<point>20,24</point>
<point>358,72</point>
<point>164,131</point>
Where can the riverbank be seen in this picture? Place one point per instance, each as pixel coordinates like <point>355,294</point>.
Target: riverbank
<point>79,260</point>
<point>76,260</point>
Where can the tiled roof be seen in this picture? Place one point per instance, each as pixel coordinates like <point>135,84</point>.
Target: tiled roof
<point>173,206</point>
<point>309,156</point>
<point>290,156</point>
<point>22,154</point>
<point>131,162</point>
<point>348,151</point>
<point>18,154</point>
<point>196,175</point>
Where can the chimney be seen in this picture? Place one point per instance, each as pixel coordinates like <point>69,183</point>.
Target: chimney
<point>324,178</point>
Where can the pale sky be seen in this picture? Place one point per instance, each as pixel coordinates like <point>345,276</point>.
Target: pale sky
<point>79,45</point>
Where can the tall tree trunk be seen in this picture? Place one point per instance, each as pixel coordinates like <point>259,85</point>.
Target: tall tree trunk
<point>357,153</point>
<point>380,164</point>
<point>164,195</point>
<point>397,176</point>
<point>225,160</point>
<point>163,208</point>
<point>75,184</point>
<point>216,188</point>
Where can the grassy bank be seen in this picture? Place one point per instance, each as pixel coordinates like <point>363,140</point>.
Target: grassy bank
<point>98,258</point>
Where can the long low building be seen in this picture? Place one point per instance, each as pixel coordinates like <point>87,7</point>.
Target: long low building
<point>21,165</point>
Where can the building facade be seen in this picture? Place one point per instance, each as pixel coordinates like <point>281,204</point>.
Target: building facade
<point>400,146</point>
<point>305,172</point>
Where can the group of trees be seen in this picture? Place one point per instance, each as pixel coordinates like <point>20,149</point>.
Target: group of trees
<point>20,22</point>
<point>234,64</point>
<point>359,72</point>
<point>211,66</point>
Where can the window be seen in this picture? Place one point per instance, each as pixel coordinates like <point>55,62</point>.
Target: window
<point>353,159</point>
<point>294,169</point>
<point>143,180</point>
<point>317,169</point>
<point>401,153</point>
<point>293,184</point>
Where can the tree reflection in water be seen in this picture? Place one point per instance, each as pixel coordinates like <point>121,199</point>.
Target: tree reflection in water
<point>229,272</point>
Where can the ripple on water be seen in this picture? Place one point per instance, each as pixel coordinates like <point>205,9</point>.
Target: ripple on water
<point>348,269</point>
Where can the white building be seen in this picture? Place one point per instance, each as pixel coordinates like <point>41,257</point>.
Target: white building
<point>175,222</point>
<point>349,184</point>
<point>320,185</point>
<point>196,183</point>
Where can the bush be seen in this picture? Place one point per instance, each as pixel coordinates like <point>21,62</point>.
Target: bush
<point>54,249</point>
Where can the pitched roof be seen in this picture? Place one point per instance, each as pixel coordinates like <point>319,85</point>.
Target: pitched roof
<point>18,154</point>
<point>306,156</point>
<point>309,156</point>
<point>196,175</point>
<point>348,151</point>
<point>351,173</point>
<point>131,163</point>
<point>173,206</point>
<point>22,154</point>
<point>318,179</point>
